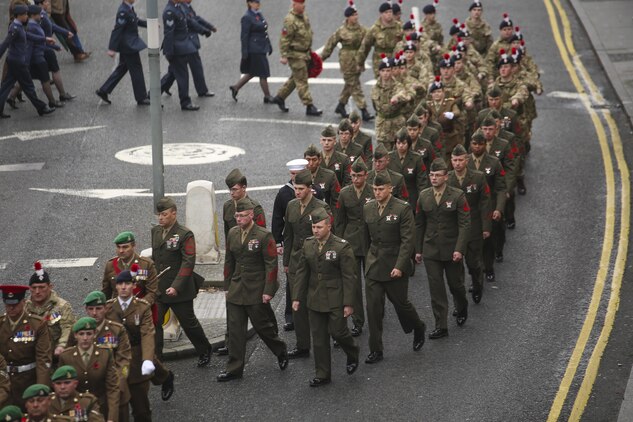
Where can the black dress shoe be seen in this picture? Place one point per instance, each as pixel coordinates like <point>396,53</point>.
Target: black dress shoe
<point>45,110</point>
<point>144,102</point>
<point>374,357</point>
<point>438,333</point>
<point>454,312</point>
<point>477,294</point>
<point>3,115</point>
<point>168,92</point>
<point>222,351</point>
<point>366,116</point>
<point>490,277</point>
<point>190,107</point>
<point>340,109</point>
<point>511,224</point>
<point>289,326</point>
<point>470,289</point>
<point>11,102</point>
<point>318,382</point>
<point>268,99</point>
<point>233,93</point>
<point>281,104</point>
<point>356,331</point>
<point>103,96</point>
<point>227,376</point>
<point>167,389</point>
<point>299,353</point>
<point>282,360</point>
<point>418,338</point>
<point>336,345</point>
<point>207,94</point>
<point>311,110</point>
<point>521,186</point>
<point>462,317</point>
<point>56,104</point>
<point>67,97</point>
<point>351,367</point>
<point>499,258</point>
<point>205,358</point>
<point>20,98</point>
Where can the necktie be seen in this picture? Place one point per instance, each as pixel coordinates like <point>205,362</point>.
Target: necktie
<point>303,208</point>
<point>438,196</point>
<point>244,234</point>
<point>381,208</point>
<point>165,231</point>
<point>488,146</point>
<point>460,180</point>
<point>477,162</point>
<point>321,246</point>
<point>86,357</point>
<point>124,306</point>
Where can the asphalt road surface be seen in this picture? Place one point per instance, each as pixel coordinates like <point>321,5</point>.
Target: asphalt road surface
<point>506,364</point>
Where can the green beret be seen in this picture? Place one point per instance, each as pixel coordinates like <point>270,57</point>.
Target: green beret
<point>319,214</point>
<point>459,150</point>
<point>36,390</point>
<point>478,137</point>
<point>244,204</point>
<point>328,132</point>
<point>95,298</point>
<point>85,323</point>
<point>354,116</point>
<point>380,151</point>
<point>487,121</point>
<point>438,165</point>
<point>165,203</point>
<point>382,178</point>
<point>345,126</point>
<point>402,134</point>
<point>11,414</point>
<point>414,120</point>
<point>494,92</point>
<point>359,165</point>
<point>124,237</point>
<point>65,372</point>
<point>304,177</point>
<point>312,151</point>
<point>235,177</point>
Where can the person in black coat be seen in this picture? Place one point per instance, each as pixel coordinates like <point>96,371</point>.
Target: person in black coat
<point>255,45</point>
<point>126,41</point>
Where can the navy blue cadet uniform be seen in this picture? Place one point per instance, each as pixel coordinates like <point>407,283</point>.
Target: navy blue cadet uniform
<point>49,28</point>
<point>195,64</point>
<point>179,49</point>
<point>126,41</point>
<point>35,51</point>
<point>17,64</point>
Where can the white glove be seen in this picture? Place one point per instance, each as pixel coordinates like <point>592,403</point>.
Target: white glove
<point>147,368</point>
<point>449,115</point>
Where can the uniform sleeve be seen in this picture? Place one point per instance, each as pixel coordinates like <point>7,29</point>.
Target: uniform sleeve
<point>509,163</point>
<point>116,36</point>
<point>106,282</point>
<point>420,226</point>
<point>244,34</point>
<point>260,216</point>
<point>421,178</point>
<point>271,264</point>
<point>347,167</point>
<point>147,335</point>
<point>500,188</point>
<point>288,239</point>
<point>169,23</point>
<point>43,354</point>
<point>123,354</point>
<point>286,38</point>
<point>348,274</point>
<point>195,26</point>
<point>340,219</point>
<point>365,46</point>
<point>330,45</point>
<point>188,252</point>
<point>151,284</point>
<point>407,238</point>
<point>521,95</point>
<point>112,387</point>
<point>463,220</point>
<point>301,277</point>
<point>229,264</point>
<point>277,224</point>
<point>95,413</point>
<point>66,323</point>
<point>485,207</point>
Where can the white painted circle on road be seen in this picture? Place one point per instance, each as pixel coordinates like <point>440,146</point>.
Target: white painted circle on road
<point>181,154</point>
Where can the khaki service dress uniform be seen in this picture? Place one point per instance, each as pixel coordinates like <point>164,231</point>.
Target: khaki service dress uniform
<point>80,407</point>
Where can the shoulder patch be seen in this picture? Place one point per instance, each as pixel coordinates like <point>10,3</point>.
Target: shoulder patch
<point>111,300</point>
<point>141,300</point>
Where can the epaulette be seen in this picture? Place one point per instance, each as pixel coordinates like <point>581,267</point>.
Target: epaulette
<point>371,201</point>
<point>310,238</point>
<point>114,324</point>
<point>144,259</point>
<point>112,259</point>
<point>140,299</point>
<point>111,300</point>
<point>340,239</point>
<point>36,317</point>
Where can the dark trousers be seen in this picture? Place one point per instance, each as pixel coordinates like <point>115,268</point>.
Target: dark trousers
<point>494,245</point>
<point>510,207</point>
<point>161,373</point>
<point>325,325</point>
<point>128,63</point>
<point>301,319</point>
<point>189,323</point>
<point>397,291</point>
<point>358,317</point>
<point>474,262</point>
<point>18,72</point>
<point>454,271</point>
<point>266,329</point>
<point>139,401</point>
<point>177,71</point>
<point>288,309</point>
<point>197,73</point>
<point>74,45</point>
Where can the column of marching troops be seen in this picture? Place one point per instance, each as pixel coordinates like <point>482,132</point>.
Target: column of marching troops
<point>439,189</point>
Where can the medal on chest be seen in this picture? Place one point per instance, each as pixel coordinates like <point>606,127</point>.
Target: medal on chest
<point>330,255</point>
<point>253,245</point>
<point>391,218</point>
<point>172,242</point>
<point>449,204</point>
<point>409,170</point>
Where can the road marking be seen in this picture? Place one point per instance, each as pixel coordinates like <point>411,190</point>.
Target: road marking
<point>568,53</point>
<point>287,122</point>
<point>22,167</point>
<point>68,263</point>
<point>567,95</point>
<point>183,154</point>
<point>311,81</point>
<point>37,134</point>
<point>3,265</point>
<point>371,83</point>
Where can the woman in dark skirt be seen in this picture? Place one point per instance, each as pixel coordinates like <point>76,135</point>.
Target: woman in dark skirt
<point>255,46</point>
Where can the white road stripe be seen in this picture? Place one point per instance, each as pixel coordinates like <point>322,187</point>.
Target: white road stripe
<point>126,193</point>
<point>37,134</point>
<point>287,122</point>
<point>3,265</point>
<point>22,167</point>
<point>566,95</point>
<point>68,263</point>
<point>311,81</point>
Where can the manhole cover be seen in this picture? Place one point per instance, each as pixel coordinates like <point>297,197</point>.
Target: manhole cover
<point>181,154</point>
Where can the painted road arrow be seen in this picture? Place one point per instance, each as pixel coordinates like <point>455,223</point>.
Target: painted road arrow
<point>38,134</point>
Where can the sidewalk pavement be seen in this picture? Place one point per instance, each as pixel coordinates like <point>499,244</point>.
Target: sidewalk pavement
<point>609,25</point>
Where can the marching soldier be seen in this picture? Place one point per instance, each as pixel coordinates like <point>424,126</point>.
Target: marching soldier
<point>203,27</point>
<point>421,140</point>
<point>381,162</point>
<point>361,138</point>
<point>391,228</point>
<point>295,46</point>
<point>432,28</point>
<point>324,178</point>
<point>443,224</point>
<point>24,342</point>
<point>345,143</point>
<point>349,225</point>
<point>409,164</point>
<point>504,42</point>
<point>383,36</point>
<point>55,311</point>
<point>250,282</point>
<point>66,401</point>
<point>296,229</point>
<point>448,115</point>
<point>326,278</point>
<point>349,36</point>
<point>479,29</point>
<point>96,369</point>
<point>237,184</point>
<point>334,160</point>
<point>37,399</point>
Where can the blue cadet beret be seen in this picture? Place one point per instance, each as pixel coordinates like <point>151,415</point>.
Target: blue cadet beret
<point>351,9</point>
<point>20,9</point>
<point>34,9</point>
<point>124,277</point>
<point>385,6</point>
<point>474,4</point>
<point>428,9</point>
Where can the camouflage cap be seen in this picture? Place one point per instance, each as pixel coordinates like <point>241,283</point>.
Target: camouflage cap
<point>124,277</point>
<point>36,390</point>
<point>359,165</point>
<point>312,151</point>
<point>413,121</point>
<point>345,126</point>
<point>235,177</point>
<point>304,177</point>
<point>85,323</point>
<point>380,151</point>
<point>11,414</point>
<point>459,150</point>
<point>328,132</point>
<point>95,298</point>
<point>165,203</point>
<point>319,214</point>
<point>65,372</point>
<point>382,178</point>
<point>124,237</point>
<point>354,116</point>
<point>244,204</point>
<point>494,92</point>
<point>478,137</point>
<point>438,165</point>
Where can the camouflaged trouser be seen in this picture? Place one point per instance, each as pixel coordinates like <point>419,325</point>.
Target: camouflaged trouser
<point>298,79</point>
<point>352,88</point>
<point>386,129</point>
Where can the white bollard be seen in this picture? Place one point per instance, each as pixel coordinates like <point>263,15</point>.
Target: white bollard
<point>201,218</point>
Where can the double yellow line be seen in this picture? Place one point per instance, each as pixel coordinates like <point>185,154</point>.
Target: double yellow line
<point>587,90</point>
